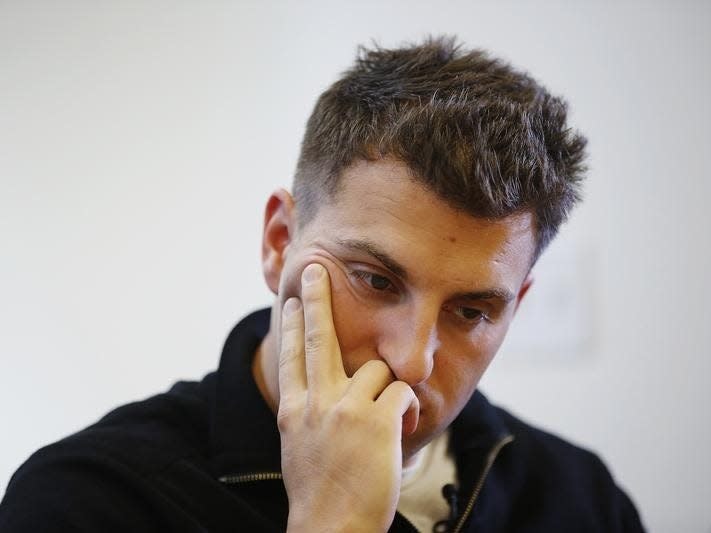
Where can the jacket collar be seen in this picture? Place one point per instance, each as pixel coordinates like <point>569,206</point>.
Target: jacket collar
<point>244,434</point>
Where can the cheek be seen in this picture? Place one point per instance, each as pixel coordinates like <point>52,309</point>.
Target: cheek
<point>354,321</point>
<point>458,366</point>
<point>460,374</point>
<point>483,355</point>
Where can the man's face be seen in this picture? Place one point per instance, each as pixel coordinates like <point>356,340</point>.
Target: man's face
<point>426,288</point>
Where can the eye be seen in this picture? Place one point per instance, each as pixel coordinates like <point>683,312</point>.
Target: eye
<point>373,281</point>
<point>470,315</point>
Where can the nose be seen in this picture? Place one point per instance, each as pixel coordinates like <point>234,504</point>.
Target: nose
<point>408,344</point>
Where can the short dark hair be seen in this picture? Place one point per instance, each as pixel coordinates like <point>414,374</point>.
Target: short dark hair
<point>486,138</point>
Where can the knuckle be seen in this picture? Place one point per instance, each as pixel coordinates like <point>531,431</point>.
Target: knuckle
<point>285,416</point>
<point>348,414</point>
<point>314,341</point>
<point>315,409</point>
<point>284,424</point>
<point>401,389</point>
<point>287,354</point>
<point>290,342</point>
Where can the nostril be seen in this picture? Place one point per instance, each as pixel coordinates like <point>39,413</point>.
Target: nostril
<point>413,370</point>
<point>410,351</point>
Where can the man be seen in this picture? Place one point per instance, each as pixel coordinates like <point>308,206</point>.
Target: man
<point>429,182</point>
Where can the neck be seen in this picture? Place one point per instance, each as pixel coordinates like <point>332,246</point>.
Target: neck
<point>265,368</point>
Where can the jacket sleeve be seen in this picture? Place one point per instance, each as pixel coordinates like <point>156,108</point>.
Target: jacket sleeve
<point>76,490</point>
<point>630,521</point>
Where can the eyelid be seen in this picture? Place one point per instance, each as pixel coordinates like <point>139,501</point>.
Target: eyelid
<point>484,315</point>
<point>486,307</point>
<point>361,271</point>
<point>371,269</point>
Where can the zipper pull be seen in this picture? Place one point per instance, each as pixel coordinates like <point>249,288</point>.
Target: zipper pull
<point>449,492</point>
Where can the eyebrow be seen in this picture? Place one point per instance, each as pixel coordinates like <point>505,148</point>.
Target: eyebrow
<point>396,268</point>
<point>489,294</point>
<point>372,250</point>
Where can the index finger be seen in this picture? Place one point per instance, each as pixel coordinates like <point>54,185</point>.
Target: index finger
<point>323,354</point>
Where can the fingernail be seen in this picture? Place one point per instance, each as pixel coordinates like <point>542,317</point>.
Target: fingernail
<point>313,272</point>
<point>292,305</point>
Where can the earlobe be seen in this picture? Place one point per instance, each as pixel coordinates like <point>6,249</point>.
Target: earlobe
<point>524,289</point>
<point>279,226</point>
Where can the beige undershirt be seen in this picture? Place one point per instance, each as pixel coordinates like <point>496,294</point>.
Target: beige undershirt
<point>421,500</point>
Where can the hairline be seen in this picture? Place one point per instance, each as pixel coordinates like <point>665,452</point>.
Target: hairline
<point>333,187</point>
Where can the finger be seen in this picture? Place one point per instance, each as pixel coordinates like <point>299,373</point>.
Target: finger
<point>292,373</point>
<point>400,399</point>
<point>370,380</point>
<point>323,355</point>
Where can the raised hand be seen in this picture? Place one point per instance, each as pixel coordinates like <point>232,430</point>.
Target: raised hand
<point>340,437</point>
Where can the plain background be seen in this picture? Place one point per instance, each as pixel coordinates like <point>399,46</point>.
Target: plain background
<point>140,140</point>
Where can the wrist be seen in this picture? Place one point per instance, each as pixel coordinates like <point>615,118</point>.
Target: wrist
<point>305,522</point>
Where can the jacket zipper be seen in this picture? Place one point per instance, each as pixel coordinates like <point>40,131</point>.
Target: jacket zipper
<point>245,478</point>
<point>235,479</point>
<point>490,458</point>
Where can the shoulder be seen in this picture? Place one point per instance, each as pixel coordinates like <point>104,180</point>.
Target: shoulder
<point>146,435</point>
<point>110,465</point>
<point>545,473</point>
<point>553,454</point>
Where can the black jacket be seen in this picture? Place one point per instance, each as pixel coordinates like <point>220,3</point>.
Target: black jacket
<point>205,457</point>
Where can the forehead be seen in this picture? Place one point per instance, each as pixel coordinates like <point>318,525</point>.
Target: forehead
<point>379,201</point>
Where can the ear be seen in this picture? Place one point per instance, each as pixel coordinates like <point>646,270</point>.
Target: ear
<point>524,289</point>
<point>279,227</point>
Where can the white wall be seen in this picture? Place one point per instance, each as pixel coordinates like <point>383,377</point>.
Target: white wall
<point>139,140</point>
